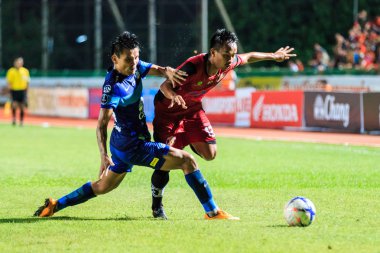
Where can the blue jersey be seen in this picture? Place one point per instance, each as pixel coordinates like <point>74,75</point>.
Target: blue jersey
<point>124,95</point>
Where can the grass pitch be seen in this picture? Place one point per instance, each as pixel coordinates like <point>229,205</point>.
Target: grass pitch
<point>250,179</point>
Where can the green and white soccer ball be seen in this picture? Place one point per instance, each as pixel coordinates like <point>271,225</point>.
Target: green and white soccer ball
<point>299,211</point>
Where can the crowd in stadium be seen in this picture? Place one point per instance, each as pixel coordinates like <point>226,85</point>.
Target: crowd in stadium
<point>359,50</point>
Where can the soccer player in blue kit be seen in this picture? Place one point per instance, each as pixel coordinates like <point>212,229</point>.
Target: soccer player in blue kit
<point>130,141</point>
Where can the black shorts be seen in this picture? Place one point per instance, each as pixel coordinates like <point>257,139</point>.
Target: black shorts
<point>19,96</point>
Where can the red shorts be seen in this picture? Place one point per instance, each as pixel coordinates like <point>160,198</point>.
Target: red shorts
<point>187,129</point>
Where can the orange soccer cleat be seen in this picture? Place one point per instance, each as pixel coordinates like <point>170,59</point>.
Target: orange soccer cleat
<point>221,215</point>
<point>47,209</point>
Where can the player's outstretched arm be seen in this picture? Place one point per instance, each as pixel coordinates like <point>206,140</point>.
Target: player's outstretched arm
<point>101,135</point>
<point>174,75</point>
<point>280,55</point>
<point>168,91</point>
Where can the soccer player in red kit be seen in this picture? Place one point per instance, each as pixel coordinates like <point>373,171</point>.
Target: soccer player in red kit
<point>179,117</point>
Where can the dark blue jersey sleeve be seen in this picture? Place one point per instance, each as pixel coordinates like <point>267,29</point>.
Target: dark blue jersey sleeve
<point>109,97</point>
<point>144,68</point>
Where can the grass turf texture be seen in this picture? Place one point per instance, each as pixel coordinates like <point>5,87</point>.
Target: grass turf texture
<point>250,179</point>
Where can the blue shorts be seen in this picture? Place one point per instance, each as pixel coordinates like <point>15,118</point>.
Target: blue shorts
<point>144,153</point>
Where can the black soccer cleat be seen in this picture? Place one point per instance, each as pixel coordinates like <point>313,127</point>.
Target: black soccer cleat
<point>159,213</point>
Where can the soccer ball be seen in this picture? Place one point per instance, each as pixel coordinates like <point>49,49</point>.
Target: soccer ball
<point>299,211</point>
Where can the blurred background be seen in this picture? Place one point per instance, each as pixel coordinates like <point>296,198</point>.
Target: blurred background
<point>66,44</point>
<point>75,35</point>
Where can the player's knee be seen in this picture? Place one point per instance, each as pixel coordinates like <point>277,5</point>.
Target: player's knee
<point>210,155</point>
<point>189,164</point>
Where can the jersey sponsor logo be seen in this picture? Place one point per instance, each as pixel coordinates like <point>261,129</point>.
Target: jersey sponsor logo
<point>141,109</point>
<point>137,74</point>
<point>327,109</point>
<point>274,112</point>
<point>154,162</point>
<point>105,98</point>
<point>107,88</point>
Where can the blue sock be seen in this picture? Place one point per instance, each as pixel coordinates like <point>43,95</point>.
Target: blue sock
<point>80,195</point>
<point>202,190</point>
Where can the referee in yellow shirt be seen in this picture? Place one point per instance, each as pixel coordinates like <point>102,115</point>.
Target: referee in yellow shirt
<point>18,80</point>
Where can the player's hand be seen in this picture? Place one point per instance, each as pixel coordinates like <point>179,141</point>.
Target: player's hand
<point>175,76</point>
<point>283,54</point>
<point>171,140</point>
<point>177,100</point>
<point>105,163</point>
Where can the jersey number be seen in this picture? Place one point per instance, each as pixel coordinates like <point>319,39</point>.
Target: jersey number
<point>210,131</point>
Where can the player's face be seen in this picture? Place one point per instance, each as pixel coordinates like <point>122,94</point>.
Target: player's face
<point>224,56</point>
<point>126,64</point>
<point>19,62</point>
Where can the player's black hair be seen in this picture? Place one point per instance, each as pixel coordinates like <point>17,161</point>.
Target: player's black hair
<point>222,37</point>
<point>126,40</point>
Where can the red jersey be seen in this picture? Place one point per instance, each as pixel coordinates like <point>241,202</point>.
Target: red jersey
<point>197,84</point>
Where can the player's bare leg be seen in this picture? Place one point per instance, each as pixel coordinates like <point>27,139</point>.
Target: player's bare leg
<point>109,181</point>
<point>205,150</point>
<point>22,113</point>
<point>14,108</point>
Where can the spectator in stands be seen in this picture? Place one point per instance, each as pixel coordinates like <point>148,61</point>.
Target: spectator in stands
<point>340,51</point>
<point>362,44</point>
<point>300,65</point>
<point>376,25</point>
<point>18,80</point>
<point>296,66</point>
<point>368,62</point>
<point>324,85</point>
<point>377,57</point>
<point>362,19</point>
<point>356,56</point>
<point>321,58</point>
<point>293,66</point>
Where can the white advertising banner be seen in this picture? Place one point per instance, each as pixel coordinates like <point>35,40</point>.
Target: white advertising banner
<point>243,106</point>
<point>341,82</point>
<point>58,102</point>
